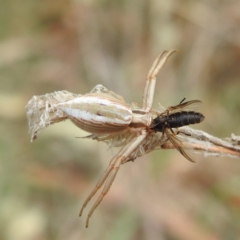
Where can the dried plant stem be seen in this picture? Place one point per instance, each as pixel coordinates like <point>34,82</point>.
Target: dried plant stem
<point>200,141</point>
<point>216,150</point>
<point>203,136</point>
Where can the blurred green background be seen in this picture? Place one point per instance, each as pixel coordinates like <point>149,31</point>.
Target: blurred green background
<point>47,46</point>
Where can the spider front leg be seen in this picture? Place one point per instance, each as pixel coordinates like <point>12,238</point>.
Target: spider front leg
<point>149,89</point>
<point>111,172</point>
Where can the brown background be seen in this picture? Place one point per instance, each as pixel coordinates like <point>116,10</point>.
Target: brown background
<point>73,45</point>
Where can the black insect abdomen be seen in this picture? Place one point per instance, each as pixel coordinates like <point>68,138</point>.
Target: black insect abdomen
<point>184,118</point>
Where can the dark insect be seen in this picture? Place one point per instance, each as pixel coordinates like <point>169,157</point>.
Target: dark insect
<point>174,117</point>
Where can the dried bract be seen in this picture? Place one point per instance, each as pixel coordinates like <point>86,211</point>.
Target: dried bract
<point>42,111</point>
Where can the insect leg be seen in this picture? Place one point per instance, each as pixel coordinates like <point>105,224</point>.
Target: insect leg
<point>186,134</point>
<point>182,101</point>
<point>111,172</point>
<point>149,89</point>
<point>173,132</point>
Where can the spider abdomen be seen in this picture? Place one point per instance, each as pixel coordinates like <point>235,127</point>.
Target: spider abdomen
<point>98,113</point>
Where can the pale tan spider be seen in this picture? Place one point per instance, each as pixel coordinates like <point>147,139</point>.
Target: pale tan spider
<point>109,118</point>
<point>116,117</point>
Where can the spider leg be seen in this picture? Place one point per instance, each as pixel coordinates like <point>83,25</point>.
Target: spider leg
<point>99,184</point>
<point>148,93</point>
<point>97,187</point>
<point>111,172</point>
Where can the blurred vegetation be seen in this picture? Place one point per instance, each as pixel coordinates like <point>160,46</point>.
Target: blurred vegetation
<point>73,45</point>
